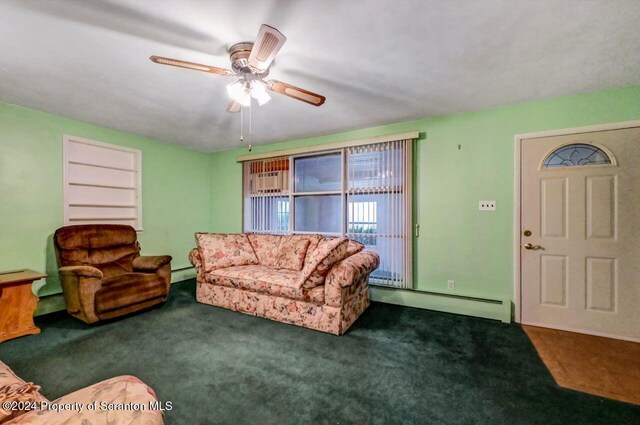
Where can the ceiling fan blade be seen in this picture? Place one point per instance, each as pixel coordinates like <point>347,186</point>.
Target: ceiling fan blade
<point>265,48</point>
<point>190,65</point>
<point>295,92</point>
<point>233,106</point>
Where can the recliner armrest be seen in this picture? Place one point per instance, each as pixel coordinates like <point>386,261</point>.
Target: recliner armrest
<point>79,285</point>
<point>80,271</point>
<point>150,263</point>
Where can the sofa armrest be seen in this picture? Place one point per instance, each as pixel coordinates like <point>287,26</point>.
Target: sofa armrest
<point>344,278</point>
<point>350,270</point>
<point>126,390</point>
<point>79,271</point>
<point>150,263</point>
<point>194,258</point>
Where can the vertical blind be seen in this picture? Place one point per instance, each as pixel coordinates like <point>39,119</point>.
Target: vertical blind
<point>371,190</point>
<point>379,206</point>
<point>266,187</point>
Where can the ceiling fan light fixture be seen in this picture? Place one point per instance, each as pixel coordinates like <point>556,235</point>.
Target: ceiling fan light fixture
<point>259,92</point>
<point>238,92</point>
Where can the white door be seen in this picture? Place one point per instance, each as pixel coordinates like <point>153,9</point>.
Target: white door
<point>580,233</point>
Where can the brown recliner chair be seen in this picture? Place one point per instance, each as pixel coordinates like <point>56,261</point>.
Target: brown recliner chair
<point>103,275</point>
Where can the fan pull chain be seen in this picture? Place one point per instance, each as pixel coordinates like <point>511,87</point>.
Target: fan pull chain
<point>250,125</point>
<point>241,124</point>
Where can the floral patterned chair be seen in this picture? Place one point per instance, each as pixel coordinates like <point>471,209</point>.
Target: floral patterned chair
<point>305,280</point>
<point>106,396</point>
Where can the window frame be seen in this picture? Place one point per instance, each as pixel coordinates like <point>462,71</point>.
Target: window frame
<point>344,150</point>
<point>293,194</point>
<point>136,188</point>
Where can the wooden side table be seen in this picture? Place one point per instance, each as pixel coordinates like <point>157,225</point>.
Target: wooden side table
<point>17,303</point>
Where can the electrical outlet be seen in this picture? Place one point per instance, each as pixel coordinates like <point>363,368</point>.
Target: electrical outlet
<point>487,206</point>
<point>451,285</point>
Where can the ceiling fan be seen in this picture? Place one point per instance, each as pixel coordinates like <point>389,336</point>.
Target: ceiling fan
<point>250,63</point>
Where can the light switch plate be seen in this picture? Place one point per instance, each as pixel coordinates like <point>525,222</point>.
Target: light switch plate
<point>487,206</point>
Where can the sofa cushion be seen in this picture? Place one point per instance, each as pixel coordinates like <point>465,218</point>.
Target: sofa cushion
<point>266,280</point>
<point>268,249</point>
<point>265,248</point>
<point>314,240</point>
<point>354,247</point>
<point>128,289</point>
<point>225,250</point>
<point>23,394</point>
<point>8,378</point>
<point>291,252</point>
<point>119,391</point>
<point>319,262</point>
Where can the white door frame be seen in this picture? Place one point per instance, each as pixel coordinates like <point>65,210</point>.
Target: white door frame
<point>519,138</point>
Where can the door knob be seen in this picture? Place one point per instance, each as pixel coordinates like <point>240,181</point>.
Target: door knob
<point>532,246</point>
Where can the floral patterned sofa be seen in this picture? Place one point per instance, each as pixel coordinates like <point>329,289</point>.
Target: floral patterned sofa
<point>305,280</point>
<point>74,408</point>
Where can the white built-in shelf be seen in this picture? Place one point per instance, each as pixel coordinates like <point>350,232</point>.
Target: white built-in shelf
<point>104,205</point>
<point>105,186</point>
<point>102,183</point>
<point>101,218</point>
<point>87,164</point>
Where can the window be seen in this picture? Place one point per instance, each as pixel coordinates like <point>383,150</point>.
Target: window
<point>576,154</point>
<point>266,201</point>
<point>378,194</point>
<point>283,215</point>
<point>361,192</point>
<point>102,183</point>
<point>363,221</point>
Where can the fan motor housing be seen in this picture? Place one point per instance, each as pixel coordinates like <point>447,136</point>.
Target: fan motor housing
<point>239,55</point>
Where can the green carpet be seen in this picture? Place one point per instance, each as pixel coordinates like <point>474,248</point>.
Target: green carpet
<point>395,365</point>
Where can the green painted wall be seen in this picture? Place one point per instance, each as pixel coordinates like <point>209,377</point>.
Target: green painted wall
<point>186,191</point>
<point>176,194</point>
<point>456,240</point>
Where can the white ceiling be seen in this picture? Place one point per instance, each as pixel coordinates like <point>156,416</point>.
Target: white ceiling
<point>376,61</point>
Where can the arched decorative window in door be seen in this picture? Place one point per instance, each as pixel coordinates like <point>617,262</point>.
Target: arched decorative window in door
<point>576,154</point>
